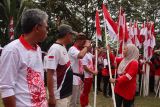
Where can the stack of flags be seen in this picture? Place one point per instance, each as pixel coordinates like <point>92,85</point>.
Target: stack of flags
<point>144,37</point>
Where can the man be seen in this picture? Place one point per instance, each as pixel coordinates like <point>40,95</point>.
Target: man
<point>77,52</point>
<point>21,68</point>
<point>88,66</point>
<point>59,74</point>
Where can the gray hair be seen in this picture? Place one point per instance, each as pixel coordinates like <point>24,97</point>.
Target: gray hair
<point>32,17</point>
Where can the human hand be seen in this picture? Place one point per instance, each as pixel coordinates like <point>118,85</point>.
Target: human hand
<point>112,80</point>
<point>95,72</point>
<point>87,43</point>
<point>51,102</point>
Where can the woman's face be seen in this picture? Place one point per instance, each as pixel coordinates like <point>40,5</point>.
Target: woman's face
<point>125,51</point>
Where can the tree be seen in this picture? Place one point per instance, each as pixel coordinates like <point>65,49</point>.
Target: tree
<point>8,9</point>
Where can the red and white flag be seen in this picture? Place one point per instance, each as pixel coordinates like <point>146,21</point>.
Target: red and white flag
<point>149,42</point>
<point>123,31</point>
<point>136,35</point>
<point>11,28</point>
<point>111,25</point>
<point>98,28</point>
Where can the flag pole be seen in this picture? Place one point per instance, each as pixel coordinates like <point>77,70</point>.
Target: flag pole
<point>110,73</point>
<point>95,81</point>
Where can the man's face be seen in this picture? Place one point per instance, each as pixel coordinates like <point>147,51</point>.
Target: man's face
<point>69,38</point>
<point>42,31</point>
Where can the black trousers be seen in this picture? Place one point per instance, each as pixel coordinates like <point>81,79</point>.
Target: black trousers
<point>106,86</point>
<point>120,100</point>
<point>99,76</point>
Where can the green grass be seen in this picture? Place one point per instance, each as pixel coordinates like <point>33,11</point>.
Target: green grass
<point>102,101</point>
<point>149,101</point>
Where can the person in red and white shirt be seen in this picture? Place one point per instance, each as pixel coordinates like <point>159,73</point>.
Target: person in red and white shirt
<point>77,52</point>
<point>88,66</point>
<point>125,87</point>
<point>21,67</point>
<point>59,73</point>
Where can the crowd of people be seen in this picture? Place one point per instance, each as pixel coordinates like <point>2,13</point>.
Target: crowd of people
<point>70,72</point>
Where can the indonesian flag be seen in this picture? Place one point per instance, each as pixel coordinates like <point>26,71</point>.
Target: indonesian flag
<point>11,28</point>
<point>111,25</point>
<point>136,35</point>
<point>143,30</point>
<point>149,42</point>
<point>98,28</point>
<point>123,31</point>
<point>130,32</point>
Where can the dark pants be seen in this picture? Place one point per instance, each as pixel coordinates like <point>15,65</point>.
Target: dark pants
<point>99,77</point>
<point>120,100</point>
<point>106,86</point>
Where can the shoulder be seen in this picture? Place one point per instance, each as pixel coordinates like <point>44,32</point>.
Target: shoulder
<point>134,63</point>
<point>73,50</point>
<point>13,46</point>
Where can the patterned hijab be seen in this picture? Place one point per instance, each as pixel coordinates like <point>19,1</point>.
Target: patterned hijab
<point>132,54</point>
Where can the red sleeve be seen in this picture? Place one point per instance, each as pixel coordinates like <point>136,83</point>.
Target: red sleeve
<point>131,72</point>
<point>118,60</point>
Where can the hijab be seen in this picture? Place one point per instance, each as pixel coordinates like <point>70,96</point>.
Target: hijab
<point>131,54</point>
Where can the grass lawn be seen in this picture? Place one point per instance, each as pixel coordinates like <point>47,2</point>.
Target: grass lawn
<point>149,101</point>
<point>102,101</point>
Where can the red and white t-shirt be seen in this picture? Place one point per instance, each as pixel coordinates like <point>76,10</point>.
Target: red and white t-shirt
<point>58,60</point>
<point>76,64</point>
<point>21,74</point>
<point>88,61</point>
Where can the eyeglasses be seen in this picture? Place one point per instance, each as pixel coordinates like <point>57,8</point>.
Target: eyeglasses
<point>47,27</point>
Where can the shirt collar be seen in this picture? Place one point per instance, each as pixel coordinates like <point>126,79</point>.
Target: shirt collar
<point>26,44</point>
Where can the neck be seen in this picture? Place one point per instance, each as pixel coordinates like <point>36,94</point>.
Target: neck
<point>30,39</point>
<point>61,41</point>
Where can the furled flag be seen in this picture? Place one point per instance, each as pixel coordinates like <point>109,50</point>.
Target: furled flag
<point>11,29</point>
<point>149,42</point>
<point>123,31</point>
<point>98,28</point>
<point>111,25</point>
<point>130,32</point>
<point>136,35</point>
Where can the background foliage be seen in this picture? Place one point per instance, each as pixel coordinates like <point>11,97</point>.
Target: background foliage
<point>80,14</point>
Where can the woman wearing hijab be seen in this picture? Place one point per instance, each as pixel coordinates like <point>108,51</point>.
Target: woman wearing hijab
<point>125,87</point>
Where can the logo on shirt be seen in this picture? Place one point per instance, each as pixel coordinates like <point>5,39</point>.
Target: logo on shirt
<point>51,57</point>
<point>36,88</point>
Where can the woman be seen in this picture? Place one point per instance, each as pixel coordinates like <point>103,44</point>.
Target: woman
<point>125,87</point>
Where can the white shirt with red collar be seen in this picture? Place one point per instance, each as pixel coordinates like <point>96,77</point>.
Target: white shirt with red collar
<point>88,61</point>
<point>76,64</point>
<point>58,60</point>
<point>21,74</point>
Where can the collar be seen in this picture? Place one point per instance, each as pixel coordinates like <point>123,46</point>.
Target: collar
<point>76,47</point>
<point>26,44</point>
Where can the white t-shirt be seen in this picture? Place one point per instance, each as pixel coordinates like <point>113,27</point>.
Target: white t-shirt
<point>76,65</point>
<point>88,61</point>
<point>58,60</point>
<point>21,74</point>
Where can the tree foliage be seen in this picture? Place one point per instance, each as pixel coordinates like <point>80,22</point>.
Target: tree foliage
<point>80,14</point>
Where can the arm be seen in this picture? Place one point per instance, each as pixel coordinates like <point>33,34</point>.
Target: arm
<point>52,61</point>
<point>50,84</point>
<point>82,53</point>
<point>8,74</point>
<point>8,101</point>
<point>89,70</point>
<point>132,72</point>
